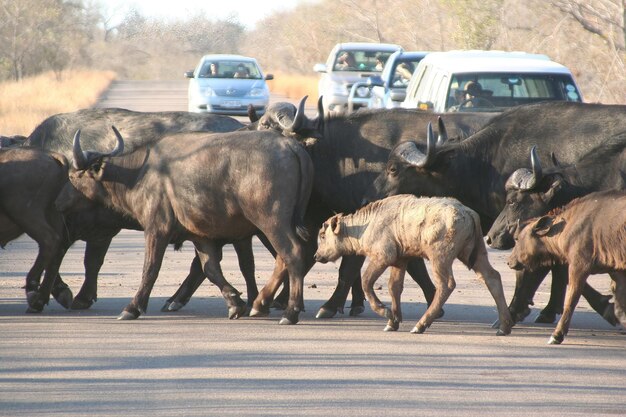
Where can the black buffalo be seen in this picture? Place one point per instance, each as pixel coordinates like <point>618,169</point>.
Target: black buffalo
<point>98,226</point>
<point>475,170</point>
<point>30,180</point>
<point>205,188</point>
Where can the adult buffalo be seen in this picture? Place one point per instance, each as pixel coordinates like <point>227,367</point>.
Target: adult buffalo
<point>98,226</point>
<point>30,180</point>
<point>190,186</point>
<point>475,170</point>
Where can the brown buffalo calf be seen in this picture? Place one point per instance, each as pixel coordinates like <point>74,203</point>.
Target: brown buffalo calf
<point>394,230</point>
<point>589,235</point>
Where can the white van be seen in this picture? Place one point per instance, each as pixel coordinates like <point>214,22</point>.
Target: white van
<point>488,81</point>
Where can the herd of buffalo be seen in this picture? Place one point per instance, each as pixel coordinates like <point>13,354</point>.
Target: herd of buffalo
<point>544,179</point>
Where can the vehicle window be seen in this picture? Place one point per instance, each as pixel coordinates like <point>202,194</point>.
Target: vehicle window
<point>230,69</point>
<point>360,60</point>
<point>512,89</point>
<point>402,72</point>
<point>423,85</point>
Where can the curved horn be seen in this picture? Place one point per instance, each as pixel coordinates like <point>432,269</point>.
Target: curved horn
<point>319,120</point>
<point>300,116</point>
<point>443,133</point>
<point>409,152</point>
<point>80,158</point>
<point>536,164</point>
<point>252,114</point>
<point>119,147</point>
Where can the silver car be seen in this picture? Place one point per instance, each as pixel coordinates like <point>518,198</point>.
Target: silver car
<point>227,84</point>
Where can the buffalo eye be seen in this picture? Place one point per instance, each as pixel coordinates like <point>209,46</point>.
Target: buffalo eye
<point>392,170</point>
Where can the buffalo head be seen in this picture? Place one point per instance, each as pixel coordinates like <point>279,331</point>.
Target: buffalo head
<point>84,186</point>
<point>530,251</point>
<point>409,168</point>
<point>529,193</point>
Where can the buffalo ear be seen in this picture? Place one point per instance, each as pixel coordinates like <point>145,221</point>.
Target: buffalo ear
<point>543,225</point>
<point>335,224</point>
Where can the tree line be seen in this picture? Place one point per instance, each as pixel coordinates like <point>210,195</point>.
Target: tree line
<point>586,35</point>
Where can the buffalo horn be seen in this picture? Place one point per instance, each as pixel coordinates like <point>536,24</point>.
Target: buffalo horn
<point>80,158</point>
<point>119,147</point>
<point>536,164</point>
<point>443,133</point>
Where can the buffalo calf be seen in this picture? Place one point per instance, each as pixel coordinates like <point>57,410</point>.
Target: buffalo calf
<point>588,235</point>
<point>394,230</point>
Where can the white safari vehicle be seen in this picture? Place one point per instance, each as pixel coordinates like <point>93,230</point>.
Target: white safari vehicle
<point>489,81</point>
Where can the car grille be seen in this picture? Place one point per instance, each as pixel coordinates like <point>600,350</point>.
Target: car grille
<point>231,92</point>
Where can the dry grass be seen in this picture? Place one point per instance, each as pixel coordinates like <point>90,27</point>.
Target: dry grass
<point>26,103</point>
<point>294,86</point>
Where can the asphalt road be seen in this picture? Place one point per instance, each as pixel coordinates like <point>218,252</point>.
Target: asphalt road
<point>196,362</point>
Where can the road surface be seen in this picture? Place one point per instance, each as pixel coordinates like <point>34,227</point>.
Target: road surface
<point>196,362</point>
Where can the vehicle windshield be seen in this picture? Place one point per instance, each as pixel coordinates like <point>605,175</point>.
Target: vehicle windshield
<point>402,72</point>
<point>229,69</point>
<point>371,61</point>
<point>500,90</point>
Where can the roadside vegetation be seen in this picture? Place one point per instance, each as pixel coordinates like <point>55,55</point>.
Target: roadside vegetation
<point>56,37</point>
<point>27,102</point>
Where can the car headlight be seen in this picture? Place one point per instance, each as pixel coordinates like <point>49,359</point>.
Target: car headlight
<point>258,92</point>
<point>362,92</point>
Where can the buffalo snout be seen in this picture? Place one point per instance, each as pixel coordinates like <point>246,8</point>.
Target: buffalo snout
<point>320,258</point>
<point>514,263</point>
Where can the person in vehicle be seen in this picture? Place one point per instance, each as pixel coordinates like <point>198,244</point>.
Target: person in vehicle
<point>346,61</point>
<point>242,72</point>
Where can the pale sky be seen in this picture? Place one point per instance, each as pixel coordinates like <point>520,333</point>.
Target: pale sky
<point>248,11</point>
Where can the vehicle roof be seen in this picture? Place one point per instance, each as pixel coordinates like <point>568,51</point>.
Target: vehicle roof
<point>367,46</point>
<point>225,57</point>
<point>493,61</point>
<point>411,54</point>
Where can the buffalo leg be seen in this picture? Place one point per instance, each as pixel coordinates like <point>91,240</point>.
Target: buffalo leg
<point>349,271</point>
<point>557,295</point>
<point>526,284</point>
<point>444,284</point>
<point>245,256</point>
<point>153,258</point>
<point>395,286</point>
<point>619,290</point>
<point>576,282</point>
<point>95,251</point>
<point>371,274</point>
<point>189,286</point>
<point>492,279</point>
<point>210,255</point>
<point>358,297</point>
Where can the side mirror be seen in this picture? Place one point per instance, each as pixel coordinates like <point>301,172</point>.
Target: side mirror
<point>319,68</point>
<point>375,81</point>
<point>269,76</point>
<point>188,74</point>
<point>397,95</point>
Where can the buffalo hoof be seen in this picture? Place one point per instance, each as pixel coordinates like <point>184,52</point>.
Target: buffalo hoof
<point>547,317</point>
<point>392,326</point>
<point>35,301</point>
<point>556,339</point>
<point>236,312</point>
<point>389,328</point>
<point>418,329</point>
<point>502,332</point>
<point>326,313</point>
<point>263,312</point>
<point>355,311</point>
<point>290,316</point>
<point>128,315</point>
<point>609,315</point>
<point>64,297</point>
<point>171,306</point>
<point>81,304</point>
